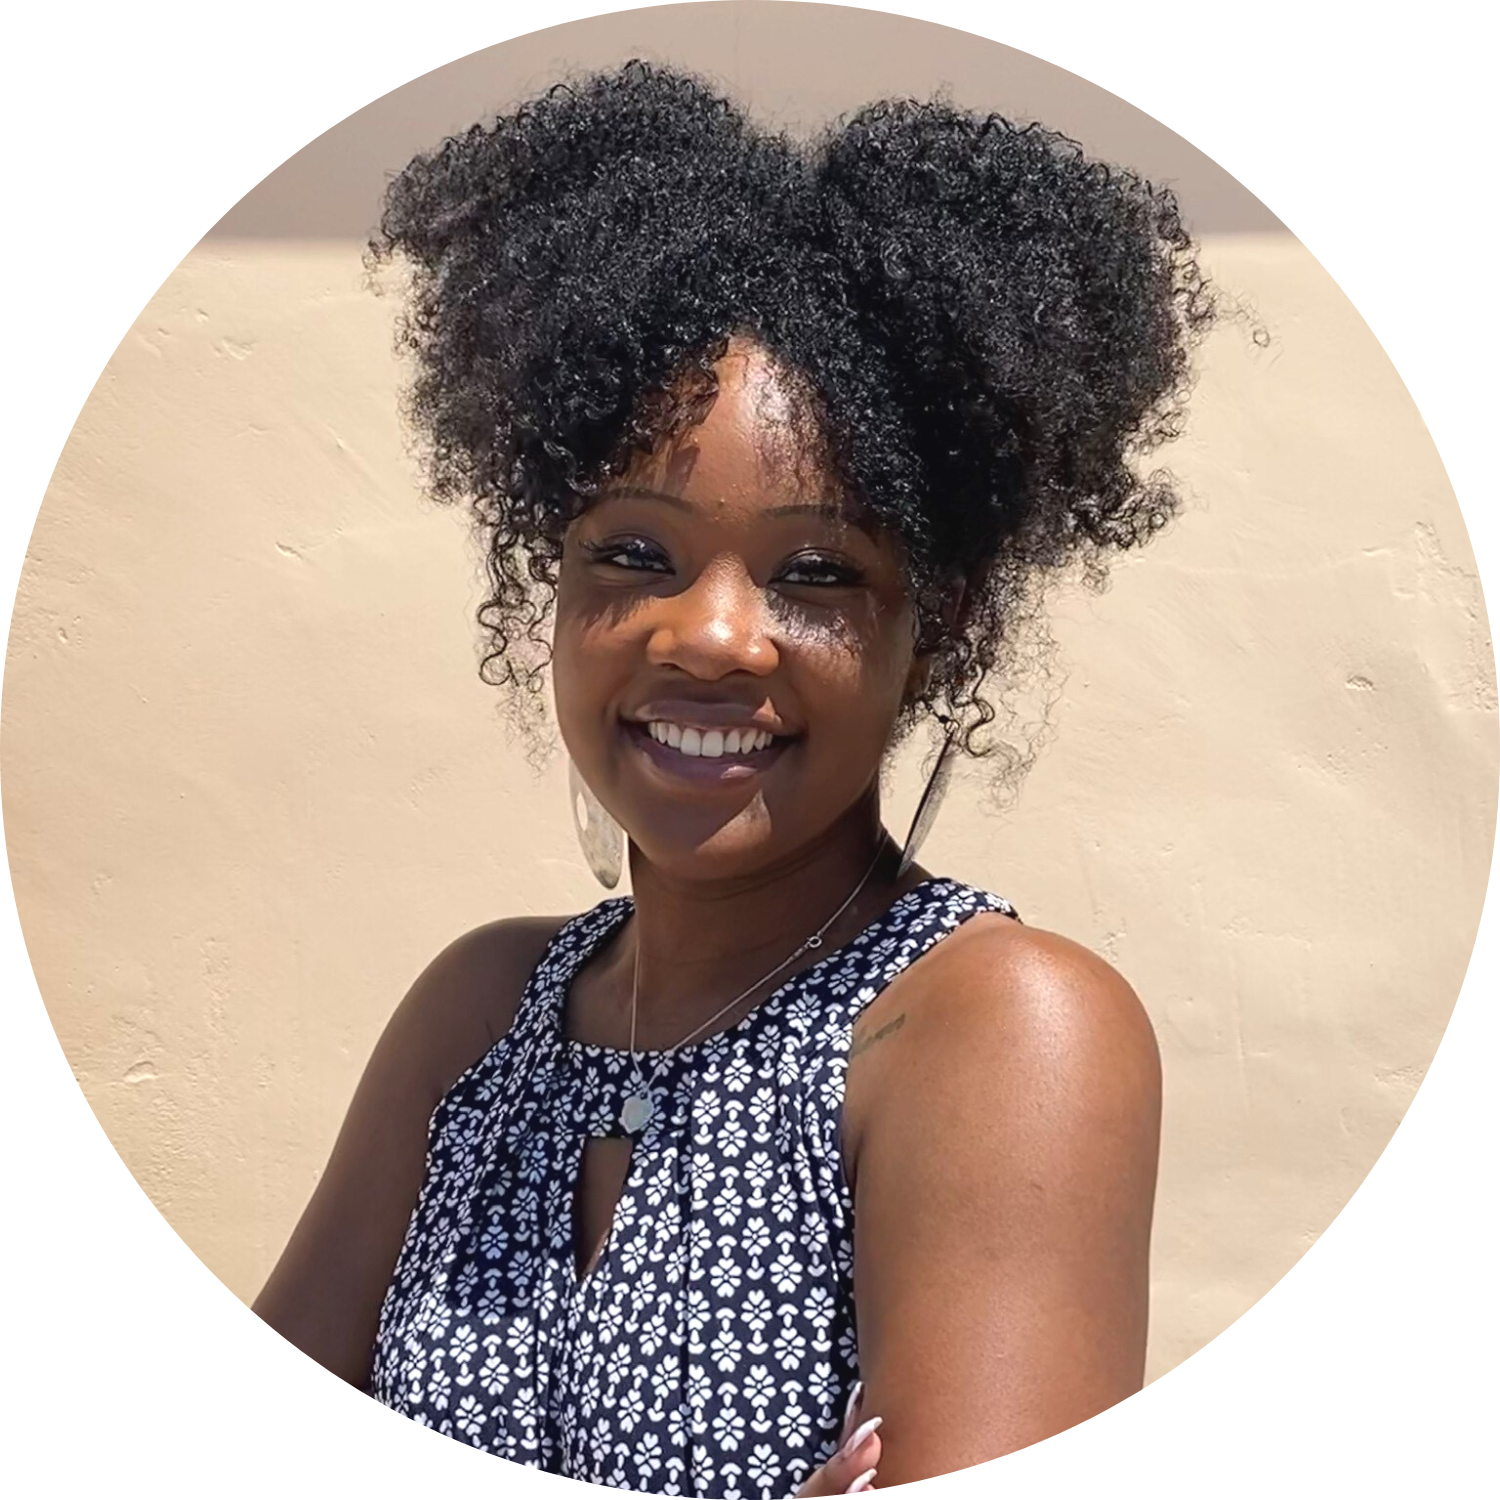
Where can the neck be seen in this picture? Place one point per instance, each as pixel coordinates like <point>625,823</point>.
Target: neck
<point>700,942</point>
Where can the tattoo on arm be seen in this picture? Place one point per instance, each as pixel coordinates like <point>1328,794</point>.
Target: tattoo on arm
<point>864,1043</point>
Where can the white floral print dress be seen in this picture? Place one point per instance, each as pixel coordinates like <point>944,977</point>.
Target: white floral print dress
<point>711,1349</point>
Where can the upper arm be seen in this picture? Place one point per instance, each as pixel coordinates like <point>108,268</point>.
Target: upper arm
<point>325,1292</point>
<point>1004,1174</point>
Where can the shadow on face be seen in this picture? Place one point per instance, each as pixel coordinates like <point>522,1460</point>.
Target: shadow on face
<point>733,640</point>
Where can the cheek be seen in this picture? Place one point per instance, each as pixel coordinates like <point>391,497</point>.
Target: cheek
<point>824,633</point>
<point>585,616</point>
<point>856,663</point>
<point>591,624</point>
<point>572,613</point>
<point>584,671</point>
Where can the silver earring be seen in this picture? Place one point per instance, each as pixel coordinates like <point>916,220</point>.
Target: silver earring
<point>931,799</point>
<point>599,836</point>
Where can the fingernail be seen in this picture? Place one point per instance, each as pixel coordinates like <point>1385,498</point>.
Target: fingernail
<point>862,1483</point>
<point>859,1437</point>
<point>855,1397</point>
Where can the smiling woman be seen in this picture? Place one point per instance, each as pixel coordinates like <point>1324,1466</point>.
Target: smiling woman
<point>738,602</point>
<point>802,1167</point>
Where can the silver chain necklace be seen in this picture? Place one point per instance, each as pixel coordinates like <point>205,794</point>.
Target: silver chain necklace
<point>640,1103</point>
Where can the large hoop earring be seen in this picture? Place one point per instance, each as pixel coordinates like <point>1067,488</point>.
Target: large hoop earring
<point>931,799</point>
<point>599,836</point>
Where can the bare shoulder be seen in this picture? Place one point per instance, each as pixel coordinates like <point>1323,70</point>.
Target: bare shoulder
<point>1002,1111</point>
<point>1025,1025</point>
<point>994,982</point>
<point>464,1001</point>
<point>326,1290</point>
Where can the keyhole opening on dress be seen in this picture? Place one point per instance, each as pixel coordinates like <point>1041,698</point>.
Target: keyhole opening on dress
<point>602,1174</point>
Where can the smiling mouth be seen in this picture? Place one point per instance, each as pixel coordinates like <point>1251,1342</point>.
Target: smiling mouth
<point>707,754</point>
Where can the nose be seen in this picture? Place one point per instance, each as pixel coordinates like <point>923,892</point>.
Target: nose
<point>718,624</point>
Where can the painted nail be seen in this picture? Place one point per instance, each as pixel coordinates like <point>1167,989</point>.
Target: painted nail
<point>862,1483</point>
<point>859,1437</point>
<point>855,1397</point>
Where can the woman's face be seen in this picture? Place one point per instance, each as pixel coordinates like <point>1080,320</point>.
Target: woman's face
<point>732,645</point>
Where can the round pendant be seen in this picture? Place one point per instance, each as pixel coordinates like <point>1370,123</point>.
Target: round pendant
<point>636,1114</point>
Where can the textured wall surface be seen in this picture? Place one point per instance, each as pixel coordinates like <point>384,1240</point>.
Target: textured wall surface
<point>252,782</point>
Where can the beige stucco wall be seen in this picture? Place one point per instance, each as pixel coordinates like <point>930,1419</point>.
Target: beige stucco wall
<point>252,783</point>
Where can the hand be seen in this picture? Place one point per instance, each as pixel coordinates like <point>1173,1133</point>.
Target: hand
<point>852,1468</point>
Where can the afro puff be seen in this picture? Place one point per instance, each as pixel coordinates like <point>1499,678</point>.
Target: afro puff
<point>987,328</point>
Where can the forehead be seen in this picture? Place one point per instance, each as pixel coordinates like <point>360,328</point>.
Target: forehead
<point>757,445</point>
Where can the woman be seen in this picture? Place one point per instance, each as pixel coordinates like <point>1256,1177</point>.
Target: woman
<point>803,1168</point>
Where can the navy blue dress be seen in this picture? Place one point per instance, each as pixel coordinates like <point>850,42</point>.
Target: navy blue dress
<point>711,1349</point>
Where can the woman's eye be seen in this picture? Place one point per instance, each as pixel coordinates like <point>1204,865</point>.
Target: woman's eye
<point>635,555</point>
<point>632,553</point>
<point>819,570</point>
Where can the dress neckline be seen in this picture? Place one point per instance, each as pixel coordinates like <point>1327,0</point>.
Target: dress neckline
<point>618,910</point>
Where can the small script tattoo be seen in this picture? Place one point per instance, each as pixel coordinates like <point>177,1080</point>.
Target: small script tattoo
<point>863,1043</point>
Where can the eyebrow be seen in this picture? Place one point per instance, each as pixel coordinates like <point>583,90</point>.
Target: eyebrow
<point>828,508</point>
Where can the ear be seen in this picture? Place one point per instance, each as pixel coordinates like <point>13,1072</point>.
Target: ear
<point>950,612</point>
<point>955,602</point>
<point>917,678</point>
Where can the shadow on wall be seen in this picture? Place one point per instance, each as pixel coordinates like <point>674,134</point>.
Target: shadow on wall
<point>774,57</point>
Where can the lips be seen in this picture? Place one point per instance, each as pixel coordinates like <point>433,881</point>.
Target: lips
<point>719,713</point>
<point>728,767</point>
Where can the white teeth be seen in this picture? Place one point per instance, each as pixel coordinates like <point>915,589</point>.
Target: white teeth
<point>708,743</point>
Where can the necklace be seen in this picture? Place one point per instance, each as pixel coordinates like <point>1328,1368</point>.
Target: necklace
<point>640,1103</point>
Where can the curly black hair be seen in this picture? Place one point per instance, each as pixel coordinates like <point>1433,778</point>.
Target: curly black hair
<point>986,329</point>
